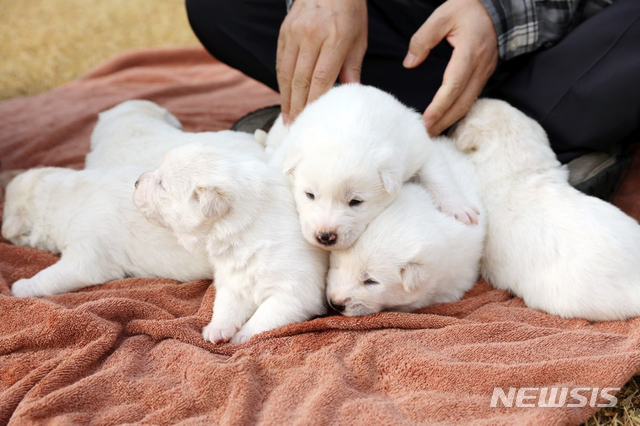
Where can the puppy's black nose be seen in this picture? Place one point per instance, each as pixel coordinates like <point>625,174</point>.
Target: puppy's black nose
<point>336,307</point>
<point>136,184</point>
<point>327,238</point>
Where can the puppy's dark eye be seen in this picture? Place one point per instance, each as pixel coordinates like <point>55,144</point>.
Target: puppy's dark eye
<point>355,202</point>
<point>310,195</point>
<point>369,281</point>
<point>160,184</point>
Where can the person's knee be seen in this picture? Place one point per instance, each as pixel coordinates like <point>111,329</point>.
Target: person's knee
<point>212,21</point>
<point>209,16</point>
<point>240,33</point>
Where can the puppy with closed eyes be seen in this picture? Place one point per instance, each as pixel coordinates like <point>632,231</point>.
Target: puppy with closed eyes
<point>411,255</point>
<point>241,213</point>
<point>89,218</point>
<point>560,250</point>
<point>348,154</point>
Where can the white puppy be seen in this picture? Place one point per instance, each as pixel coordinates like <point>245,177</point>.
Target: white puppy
<point>139,132</point>
<point>349,153</point>
<point>560,250</point>
<point>241,213</point>
<point>411,255</point>
<point>89,216</point>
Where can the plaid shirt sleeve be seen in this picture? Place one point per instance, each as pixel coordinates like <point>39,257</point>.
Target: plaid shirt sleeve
<point>525,25</point>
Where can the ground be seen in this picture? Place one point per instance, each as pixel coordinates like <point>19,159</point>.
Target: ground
<point>46,43</point>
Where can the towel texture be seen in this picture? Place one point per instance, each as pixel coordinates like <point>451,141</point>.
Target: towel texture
<point>131,351</point>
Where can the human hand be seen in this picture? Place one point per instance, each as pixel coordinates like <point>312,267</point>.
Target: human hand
<point>467,27</point>
<point>319,41</point>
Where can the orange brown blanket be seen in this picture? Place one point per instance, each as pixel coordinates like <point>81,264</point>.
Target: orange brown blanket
<point>130,351</point>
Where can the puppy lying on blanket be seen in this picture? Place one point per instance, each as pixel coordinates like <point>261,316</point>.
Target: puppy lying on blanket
<point>411,255</point>
<point>560,250</point>
<point>240,212</point>
<point>349,153</point>
<point>140,132</point>
<point>89,217</point>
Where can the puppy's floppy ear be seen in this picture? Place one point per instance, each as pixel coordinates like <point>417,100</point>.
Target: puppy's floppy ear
<point>391,180</point>
<point>413,275</point>
<point>467,137</point>
<point>290,163</point>
<point>213,202</point>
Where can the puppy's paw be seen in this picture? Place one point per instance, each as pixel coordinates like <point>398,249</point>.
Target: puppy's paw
<point>242,336</point>
<point>261,137</point>
<point>465,213</point>
<point>218,333</point>
<point>25,288</point>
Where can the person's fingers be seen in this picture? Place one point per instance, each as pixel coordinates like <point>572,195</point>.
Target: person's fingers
<point>454,82</point>
<point>301,81</point>
<point>286,58</point>
<point>326,71</point>
<point>305,67</point>
<point>428,36</point>
<point>462,104</point>
<point>352,67</point>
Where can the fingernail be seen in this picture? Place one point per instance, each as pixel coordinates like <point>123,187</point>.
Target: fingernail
<point>409,60</point>
<point>429,122</point>
<point>349,79</point>
<point>285,119</point>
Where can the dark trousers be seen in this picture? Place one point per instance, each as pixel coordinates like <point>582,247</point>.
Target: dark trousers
<point>585,90</point>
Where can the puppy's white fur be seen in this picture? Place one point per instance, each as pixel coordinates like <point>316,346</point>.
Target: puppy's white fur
<point>89,216</point>
<point>139,132</point>
<point>349,153</point>
<point>560,250</point>
<point>241,213</point>
<point>411,255</point>
<point>271,140</point>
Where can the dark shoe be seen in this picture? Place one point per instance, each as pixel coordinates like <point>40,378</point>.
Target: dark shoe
<point>262,118</point>
<point>598,174</point>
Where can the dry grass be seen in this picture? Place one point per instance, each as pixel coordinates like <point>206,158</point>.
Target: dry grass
<point>627,410</point>
<point>46,43</point>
